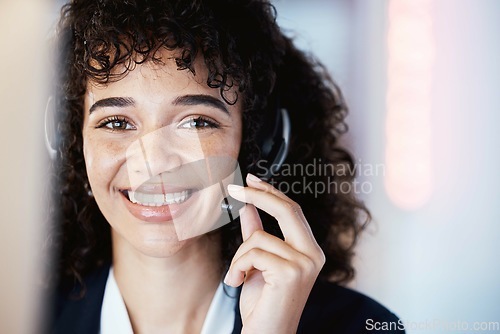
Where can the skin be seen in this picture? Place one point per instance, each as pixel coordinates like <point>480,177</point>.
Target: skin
<point>158,274</point>
<point>268,267</point>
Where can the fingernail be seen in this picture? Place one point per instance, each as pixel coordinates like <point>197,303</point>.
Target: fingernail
<point>234,188</point>
<point>253,178</point>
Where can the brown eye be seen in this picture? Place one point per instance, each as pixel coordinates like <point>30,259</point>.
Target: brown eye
<point>116,124</point>
<point>199,123</point>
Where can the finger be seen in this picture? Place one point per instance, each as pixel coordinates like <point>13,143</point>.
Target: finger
<point>254,259</point>
<point>270,243</point>
<point>292,222</point>
<point>250,221</point>
<point>255,182</point>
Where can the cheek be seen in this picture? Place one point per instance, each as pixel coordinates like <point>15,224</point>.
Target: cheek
<point>237,135</point>
<point>102,161</point>
<point>227,145</point>
<point>88,156</point>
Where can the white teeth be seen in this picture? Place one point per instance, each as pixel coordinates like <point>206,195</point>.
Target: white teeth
<point>157,199</point>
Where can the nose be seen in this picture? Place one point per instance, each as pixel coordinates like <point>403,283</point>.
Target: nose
<point>152,154</point>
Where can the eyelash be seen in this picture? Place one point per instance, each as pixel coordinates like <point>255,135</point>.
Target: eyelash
<point>200,119</point>
<point>115,119</point>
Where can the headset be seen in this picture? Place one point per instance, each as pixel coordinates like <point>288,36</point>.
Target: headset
<point>273,139</point>
<point>51,137</point>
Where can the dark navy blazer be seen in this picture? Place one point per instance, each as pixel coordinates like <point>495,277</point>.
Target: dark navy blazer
<point>329,309</point>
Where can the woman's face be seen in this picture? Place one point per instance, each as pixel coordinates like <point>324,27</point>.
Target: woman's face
<point>159,145</point>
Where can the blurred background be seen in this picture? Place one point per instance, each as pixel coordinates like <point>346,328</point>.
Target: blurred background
<point>23,82</point>
<point>422,81</point>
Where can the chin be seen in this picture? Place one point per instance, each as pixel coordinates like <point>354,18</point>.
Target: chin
<point>160,246</point>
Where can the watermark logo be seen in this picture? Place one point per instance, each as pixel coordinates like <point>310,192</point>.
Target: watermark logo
<point>319,177</point>
<point>432,325</point>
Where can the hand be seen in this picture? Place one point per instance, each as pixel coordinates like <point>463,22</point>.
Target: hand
<point>277,275</point>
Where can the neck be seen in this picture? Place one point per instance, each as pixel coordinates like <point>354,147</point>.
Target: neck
<point>169,294</point>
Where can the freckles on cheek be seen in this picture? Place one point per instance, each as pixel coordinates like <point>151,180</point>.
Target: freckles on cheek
<point>227,144</point>
<point>217,148</point>
<point>102,157</point>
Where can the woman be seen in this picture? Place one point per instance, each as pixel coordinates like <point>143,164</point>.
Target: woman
<point>160,105</point>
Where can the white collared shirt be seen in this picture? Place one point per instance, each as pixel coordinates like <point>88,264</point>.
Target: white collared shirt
<point>115,320</point>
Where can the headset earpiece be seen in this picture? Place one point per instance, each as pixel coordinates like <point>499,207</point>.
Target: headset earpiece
<point>50,128</point>
<point>273,140</point>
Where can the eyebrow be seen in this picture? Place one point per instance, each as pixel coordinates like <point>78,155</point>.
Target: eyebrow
<point>112,102</point>
<point>185,100</point>
<point>201,99</point>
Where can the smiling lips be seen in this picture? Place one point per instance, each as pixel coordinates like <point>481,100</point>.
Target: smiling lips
<point>154,204</point>
<point>146,199</point>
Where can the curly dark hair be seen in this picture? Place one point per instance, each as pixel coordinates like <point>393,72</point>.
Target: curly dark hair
<point>242,46</point>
